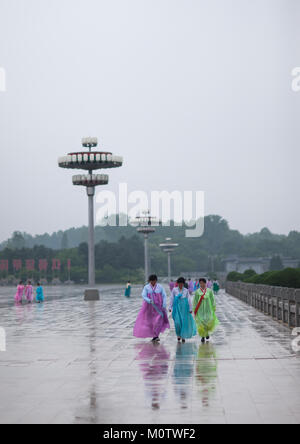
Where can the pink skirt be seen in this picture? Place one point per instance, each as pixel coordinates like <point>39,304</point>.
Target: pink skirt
<point>18,297</point>
<point>150,323</point>
<point>29,295</point>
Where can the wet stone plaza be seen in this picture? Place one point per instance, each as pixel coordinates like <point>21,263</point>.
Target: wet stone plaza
<point>70,361</point>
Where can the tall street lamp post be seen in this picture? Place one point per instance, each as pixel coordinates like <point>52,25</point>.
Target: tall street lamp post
<point>90,160</point>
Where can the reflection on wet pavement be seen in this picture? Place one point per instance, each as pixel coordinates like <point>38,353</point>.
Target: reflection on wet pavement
<point>76,362</point>
<point>154,365</point>
<point>183,372</point>
<point>206,372</point>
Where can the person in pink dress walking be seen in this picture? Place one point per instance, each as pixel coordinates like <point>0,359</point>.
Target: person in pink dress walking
<point>29,292</point>
<point>20,292</point>
<point>153,318</point>
<point>191,286</point>
<point>171,285</point>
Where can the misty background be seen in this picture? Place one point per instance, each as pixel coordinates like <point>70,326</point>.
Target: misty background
<point>195,95</point>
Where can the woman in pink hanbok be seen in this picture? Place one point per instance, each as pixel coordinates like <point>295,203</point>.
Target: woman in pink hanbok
<point>29,292</point>
<point>191,286</point>
<point>153,318</point>
<point>171,285</point>
<point>19,294</point>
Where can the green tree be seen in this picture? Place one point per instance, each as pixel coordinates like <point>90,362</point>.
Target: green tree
<point>65,241</point>
<point>17,241</point>
<point>249,274</point>
<point>234,276</point>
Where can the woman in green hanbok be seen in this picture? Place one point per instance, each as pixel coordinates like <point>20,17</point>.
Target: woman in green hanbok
<point>216,287</point>
<point>205,311</point>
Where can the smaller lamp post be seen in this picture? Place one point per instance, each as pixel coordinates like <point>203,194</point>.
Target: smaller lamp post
<point>169,247</point>
<point>146,224</point>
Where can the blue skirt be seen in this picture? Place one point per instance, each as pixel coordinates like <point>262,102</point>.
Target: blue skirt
<point>184,322</point>
<point>40,296</point>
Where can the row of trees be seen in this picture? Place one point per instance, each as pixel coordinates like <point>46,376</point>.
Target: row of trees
<point>289,277</point>
<point>115,262</point>
<point>218,240</point>
<point>120,256</point>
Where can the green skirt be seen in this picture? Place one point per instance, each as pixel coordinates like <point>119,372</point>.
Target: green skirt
<point>206,319</point>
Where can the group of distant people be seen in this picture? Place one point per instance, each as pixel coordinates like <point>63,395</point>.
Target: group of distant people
<point>190,315</point>
<point>193,286</point>
<point>28,291</point>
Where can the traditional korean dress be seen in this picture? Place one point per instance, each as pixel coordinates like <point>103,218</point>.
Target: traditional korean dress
<point>152,319</point>
<point>205,312</point>
<point>191,287</point>
<point>19,294</point>
<point>171,286</point>
<point>40,294</point>
<point>196,285</point>
<point>128,291</point>
<point>29,293</point>
<point>181,306</point>
<point>216,287</point>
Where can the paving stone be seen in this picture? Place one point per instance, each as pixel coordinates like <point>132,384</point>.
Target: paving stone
<point>71,361</point>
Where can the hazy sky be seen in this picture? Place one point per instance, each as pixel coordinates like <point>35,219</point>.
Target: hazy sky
<point>196,95</point>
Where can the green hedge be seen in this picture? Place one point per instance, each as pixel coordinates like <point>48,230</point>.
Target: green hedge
<point>289,277</point>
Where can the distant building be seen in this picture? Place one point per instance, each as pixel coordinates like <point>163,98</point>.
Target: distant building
<point>259,265</point>
<point>290,263</point>
<point>241,264</point>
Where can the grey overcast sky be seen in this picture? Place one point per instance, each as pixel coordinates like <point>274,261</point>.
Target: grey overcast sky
<point>195,94</point>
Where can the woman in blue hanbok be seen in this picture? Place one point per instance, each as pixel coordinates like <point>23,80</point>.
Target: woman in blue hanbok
<point>39,294</point>
<point>182,309</point>
<point>128,290</point>
<point>196,285</point>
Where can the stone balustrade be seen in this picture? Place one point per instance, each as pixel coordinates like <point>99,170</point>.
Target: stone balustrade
<point>283,304</point>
